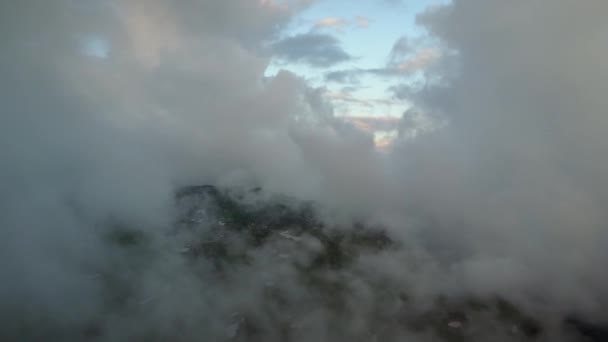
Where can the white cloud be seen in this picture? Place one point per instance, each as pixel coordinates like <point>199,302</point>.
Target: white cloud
<point>517,172</point>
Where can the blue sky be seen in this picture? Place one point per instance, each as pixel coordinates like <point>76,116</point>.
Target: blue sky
<point>367,30</point>
<point>387,22</point>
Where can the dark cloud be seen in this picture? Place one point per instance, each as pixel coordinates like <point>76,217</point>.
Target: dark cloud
<point>350,76</point>
<point>314,49</point>
<point>401,91</point>
<point>401,49</point>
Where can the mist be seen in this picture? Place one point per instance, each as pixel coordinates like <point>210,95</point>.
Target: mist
<point>505,198</point>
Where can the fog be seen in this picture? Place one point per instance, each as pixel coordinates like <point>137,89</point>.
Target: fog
<point>508,197</point>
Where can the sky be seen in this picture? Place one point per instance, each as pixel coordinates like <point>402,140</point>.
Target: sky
<point>367,31</point>
<point>494,180</point>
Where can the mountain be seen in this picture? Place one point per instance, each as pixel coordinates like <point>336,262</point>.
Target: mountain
<point>246,266</point>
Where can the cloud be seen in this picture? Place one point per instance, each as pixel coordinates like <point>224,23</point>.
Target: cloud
<point>315,49</point>
<point>330,22</point>
<point>384,140</point>
<point>362,22</point>
<point>400,50</point>
<point>404,60</point>
<point>350,76</point>
<point>339,24</point>
<point>180,98</point>
<point>350,89</point>
<point>420,61</point>
<point>507,198</point>
<point>516,174</point>
<point>402,67</point>
<point>373,124</point>
<point>347,97</point>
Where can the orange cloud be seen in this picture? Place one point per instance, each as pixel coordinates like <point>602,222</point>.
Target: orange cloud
<point>330,22</point>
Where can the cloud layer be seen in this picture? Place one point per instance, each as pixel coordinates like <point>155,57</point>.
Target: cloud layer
<point>180,99</point>
<point>507,197</point>
<point>517,176</point>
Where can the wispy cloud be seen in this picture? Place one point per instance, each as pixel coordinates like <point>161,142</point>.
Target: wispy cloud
<point>330,22</point>
<point>340,24</point>
<point>314,49</point>
<point>419,61</point>
<point>401,48</point>
<point>347,97</point>
<point>374,123</point>
<point>362,22</point>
